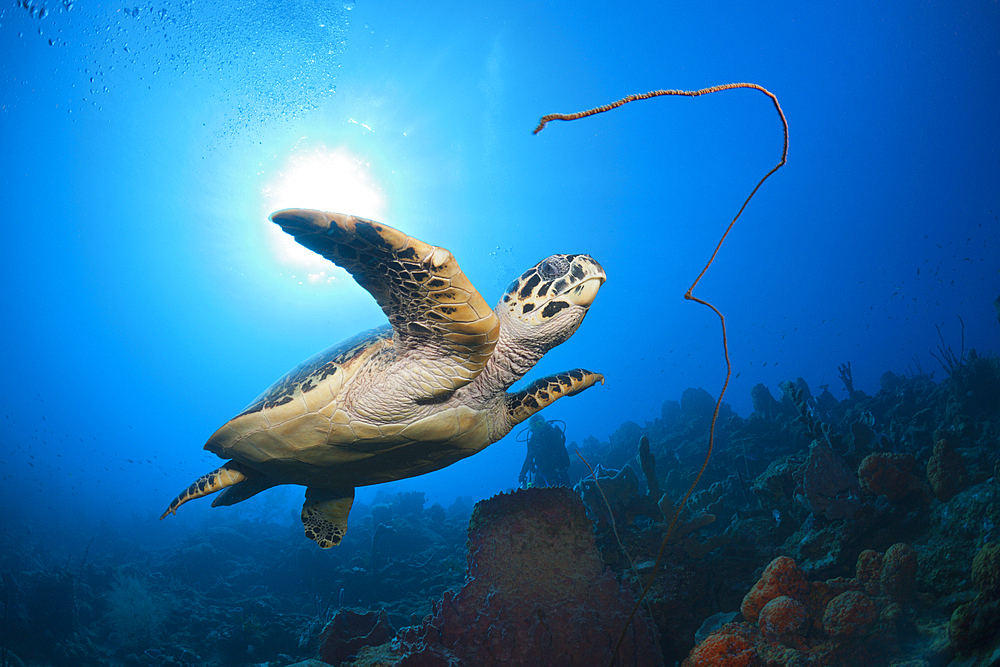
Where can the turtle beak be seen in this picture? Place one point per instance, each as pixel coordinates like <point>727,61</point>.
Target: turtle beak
<point>583,294</point>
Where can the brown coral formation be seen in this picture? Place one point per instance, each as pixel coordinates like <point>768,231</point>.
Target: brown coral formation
<point>730,646</point>
<point>782,578</point>
<point>826,485</point>
<point>685,530</point>
<point>763,402</point>
<point>775,487</point>
<point>782,618</point>
<point>891,575</point>
<point>973,627</point>
<point>891,475</point>
<point>986,571</point>
<point>831,623</point>
<point>536,593</point>
<point>899,572</point>
<point>850,614</point>
<point>349,631</point>
<point>945,470</point>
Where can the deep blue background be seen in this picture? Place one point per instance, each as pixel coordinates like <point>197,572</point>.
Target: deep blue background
<point>146,299</point>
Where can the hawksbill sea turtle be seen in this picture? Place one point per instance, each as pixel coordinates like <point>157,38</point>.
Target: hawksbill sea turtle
<point>407,398</point>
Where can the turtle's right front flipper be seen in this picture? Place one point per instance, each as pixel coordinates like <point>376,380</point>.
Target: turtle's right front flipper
<point>543,392</point>
<point>432,306</point>
<point>228,475</point>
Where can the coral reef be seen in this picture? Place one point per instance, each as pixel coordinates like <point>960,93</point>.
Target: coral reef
<point>790,621</point>
<point>349,631</point>
<point>824,532</point>
<point>891,475</point>
<point>536,593</point>
<point>782,618</point>
<point>134,612</point>
<point>763,402</point>
<point>775,487</point>
<point>686,527</point>
<point>899,571</point>
<point>731,646</point>
<point>851,614</point>
<point>826,485</point>
<point>617,490</point>
<point>945,469</point>
<point>648,463</point>
<point>781,578</point>
<point>973,625</point>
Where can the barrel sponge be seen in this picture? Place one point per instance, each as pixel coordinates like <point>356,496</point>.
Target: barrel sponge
<point>782,617</point>
<point>850,614</point>
<point>899,572</point>
<point>729,646</point>
<point>986,571</point>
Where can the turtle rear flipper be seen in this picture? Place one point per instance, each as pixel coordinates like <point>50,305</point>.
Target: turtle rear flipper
<point>543,392</point>
<point>324,515</point>
<point>228,475</point>
<point>246,489</point>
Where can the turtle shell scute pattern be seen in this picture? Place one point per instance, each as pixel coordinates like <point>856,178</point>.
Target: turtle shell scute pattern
<point>311,373</point>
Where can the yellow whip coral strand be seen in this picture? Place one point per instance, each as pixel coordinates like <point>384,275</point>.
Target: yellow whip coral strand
<point>689,294</point>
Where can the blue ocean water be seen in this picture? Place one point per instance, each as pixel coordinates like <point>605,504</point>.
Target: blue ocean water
<point>147,299</point>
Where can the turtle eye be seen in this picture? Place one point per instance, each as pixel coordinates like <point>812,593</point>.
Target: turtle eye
<point>551,268</point>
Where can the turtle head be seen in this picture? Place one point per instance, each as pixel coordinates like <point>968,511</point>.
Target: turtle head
<point>547,303</point>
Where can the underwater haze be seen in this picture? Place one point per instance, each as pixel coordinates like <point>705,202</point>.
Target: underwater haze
<point>148,299</point>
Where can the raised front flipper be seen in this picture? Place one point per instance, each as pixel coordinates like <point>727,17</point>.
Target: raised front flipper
<point>324,515</point>
<point>226,476</point>
<point>433,308</point>
<point>543,392</point>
